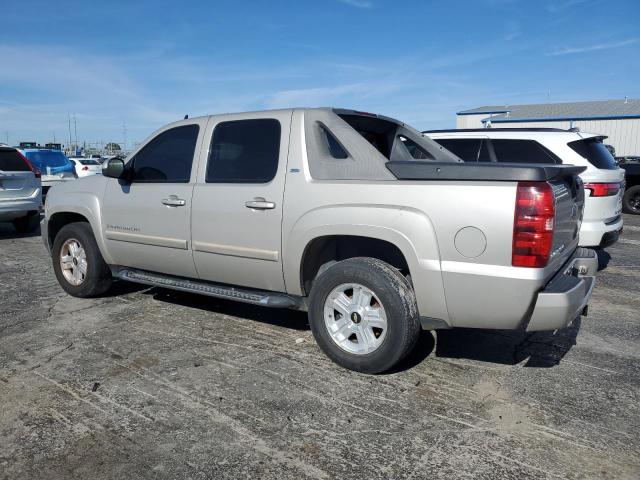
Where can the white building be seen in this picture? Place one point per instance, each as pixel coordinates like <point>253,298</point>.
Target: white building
<point>617,119</point>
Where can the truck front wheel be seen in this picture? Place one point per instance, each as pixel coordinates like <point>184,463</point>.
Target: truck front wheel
<point>78,263</point>
<point>363,314</point>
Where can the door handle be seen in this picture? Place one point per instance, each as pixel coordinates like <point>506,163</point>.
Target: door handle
<point>260,203</point>
<point>174,201</point>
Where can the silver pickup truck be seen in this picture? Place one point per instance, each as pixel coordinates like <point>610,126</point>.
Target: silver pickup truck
<point>354,217</point>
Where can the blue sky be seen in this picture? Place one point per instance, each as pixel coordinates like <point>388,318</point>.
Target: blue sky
<point>144,64</point>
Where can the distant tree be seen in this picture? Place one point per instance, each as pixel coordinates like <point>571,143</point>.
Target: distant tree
<point>112,147</point>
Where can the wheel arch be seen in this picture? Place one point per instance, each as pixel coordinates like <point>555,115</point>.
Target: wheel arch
<point>58,217</point>
<point>407,241</point>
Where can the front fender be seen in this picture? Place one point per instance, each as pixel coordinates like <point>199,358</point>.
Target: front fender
<point>408,229</point>
<point>85,203</point>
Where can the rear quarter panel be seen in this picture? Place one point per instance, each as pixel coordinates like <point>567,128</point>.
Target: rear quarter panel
<point>467,282</point>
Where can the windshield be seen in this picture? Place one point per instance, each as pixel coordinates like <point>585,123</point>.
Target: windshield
<point>47,158</point>
<point>595,152</point>
<point>89,162</point>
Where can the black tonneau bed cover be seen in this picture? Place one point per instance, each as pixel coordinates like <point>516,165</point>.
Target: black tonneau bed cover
<point>498,172</point>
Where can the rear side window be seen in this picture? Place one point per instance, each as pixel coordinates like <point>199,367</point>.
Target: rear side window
<point>47,158</point>
<point>377,131</point>
<point>522,151</point>
<point>595,152</point>
<point>336,150</point>
<point>12,161</point>
<point>468,149</point>
<point>244,151</point>
<point>168,157</point>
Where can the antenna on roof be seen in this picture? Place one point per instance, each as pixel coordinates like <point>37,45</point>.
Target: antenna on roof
<point>186,116</point>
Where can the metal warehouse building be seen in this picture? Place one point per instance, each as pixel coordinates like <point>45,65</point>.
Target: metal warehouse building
<point>617,119</point>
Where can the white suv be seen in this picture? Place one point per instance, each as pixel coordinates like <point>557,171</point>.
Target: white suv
<point>603,179</point>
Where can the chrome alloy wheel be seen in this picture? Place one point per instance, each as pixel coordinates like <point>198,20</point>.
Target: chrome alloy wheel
<point>355,318</point>
<point>73,262</point>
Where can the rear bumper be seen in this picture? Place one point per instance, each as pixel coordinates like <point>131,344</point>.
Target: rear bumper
<point>597,233</point>
<point>15,207</point>
<point>565,297</point>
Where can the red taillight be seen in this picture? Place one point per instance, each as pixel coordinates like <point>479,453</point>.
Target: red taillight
<point>85,168</point>
<point>533,224</point>
<point>35,171</point>
<point>602,189</point>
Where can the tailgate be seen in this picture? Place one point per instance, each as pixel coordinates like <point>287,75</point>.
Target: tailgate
<point>16,178</point>
<point>569,207</point>
<point>17,184</point>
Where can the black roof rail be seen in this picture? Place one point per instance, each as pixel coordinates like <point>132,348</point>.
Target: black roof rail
<point>518,129</point>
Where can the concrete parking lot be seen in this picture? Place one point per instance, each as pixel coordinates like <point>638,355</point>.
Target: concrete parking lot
<point>148,383</point>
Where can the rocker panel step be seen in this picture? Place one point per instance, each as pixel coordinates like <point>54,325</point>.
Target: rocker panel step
<point>256,297</point>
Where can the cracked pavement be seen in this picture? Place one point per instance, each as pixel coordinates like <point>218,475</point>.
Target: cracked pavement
<point>149,383</point>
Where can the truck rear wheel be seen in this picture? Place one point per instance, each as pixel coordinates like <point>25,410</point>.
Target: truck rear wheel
<point>78,263</point>
<point>363,314</point>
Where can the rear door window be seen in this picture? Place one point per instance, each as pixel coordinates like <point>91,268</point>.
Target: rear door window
<point>168,157</point>
<point>595,152</point>
<point>522,151</point>
<point>12,161</point>
<point>244,151</point>
<point>468,149</point>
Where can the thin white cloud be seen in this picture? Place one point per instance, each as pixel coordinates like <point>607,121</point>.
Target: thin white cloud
<point>558,6</point>
<point>593,48</point>
<point>339,95</point>
<point>358,3</point>
<point>513,31</point>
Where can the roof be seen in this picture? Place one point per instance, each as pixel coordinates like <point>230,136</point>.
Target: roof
<point>602,110</point>
<point>505,129</point>
<point>515,133</point>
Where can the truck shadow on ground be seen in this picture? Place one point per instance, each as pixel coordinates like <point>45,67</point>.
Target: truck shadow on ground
<point>508,347</point>
<point>292,319</point>
<point>8,232</point>
<point>603,258</point>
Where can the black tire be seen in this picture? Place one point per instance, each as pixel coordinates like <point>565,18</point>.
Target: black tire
<point>26,224</point>
<point>98,275</point>
<point>398,298</point>
<point>631,200</point>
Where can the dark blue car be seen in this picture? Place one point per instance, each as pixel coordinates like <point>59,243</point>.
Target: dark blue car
<point>53,164</point>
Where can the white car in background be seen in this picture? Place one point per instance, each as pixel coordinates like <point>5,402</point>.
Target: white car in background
<point>86,166</point>
<point>603,179</point>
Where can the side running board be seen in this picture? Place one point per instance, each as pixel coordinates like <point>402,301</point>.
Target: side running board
<point>256,297</point>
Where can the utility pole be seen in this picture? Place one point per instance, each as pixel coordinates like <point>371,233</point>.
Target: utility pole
<point>124,133</point>
<point>75,127</point>
<point>69,119</point>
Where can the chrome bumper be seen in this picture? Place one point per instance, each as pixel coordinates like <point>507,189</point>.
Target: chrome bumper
<point>566,296</point>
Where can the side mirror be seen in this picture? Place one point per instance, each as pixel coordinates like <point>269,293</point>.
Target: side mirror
<point>114,168</point>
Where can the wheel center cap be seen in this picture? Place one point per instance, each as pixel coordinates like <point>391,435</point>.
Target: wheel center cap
<point>75,261</point>
<point>355,317</point>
